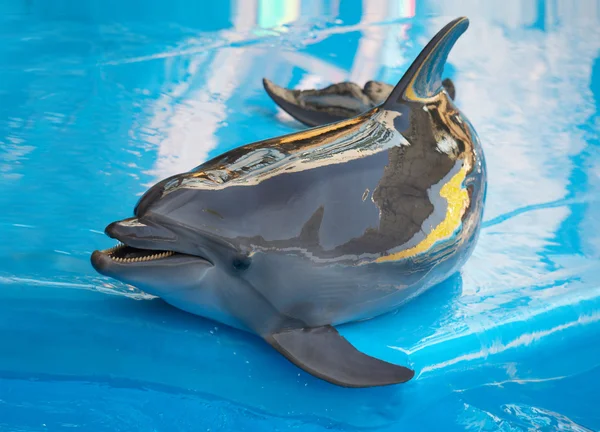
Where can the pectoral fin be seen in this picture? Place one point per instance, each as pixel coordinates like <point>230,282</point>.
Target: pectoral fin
<point>324,353</point>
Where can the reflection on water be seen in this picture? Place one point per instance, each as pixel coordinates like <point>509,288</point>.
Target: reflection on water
<point>99,103</point>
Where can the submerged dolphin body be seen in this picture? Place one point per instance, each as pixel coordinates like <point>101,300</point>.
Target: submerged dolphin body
<point>290,236</point>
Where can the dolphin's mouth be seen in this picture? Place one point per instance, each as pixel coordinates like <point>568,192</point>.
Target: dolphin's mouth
<point>122,253</point>
<point>124,258</point>
<point>140,244</point>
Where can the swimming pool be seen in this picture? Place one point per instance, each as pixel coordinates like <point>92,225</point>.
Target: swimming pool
<point>100,100</point>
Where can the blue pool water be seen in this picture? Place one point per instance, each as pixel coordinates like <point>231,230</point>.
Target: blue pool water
<point>98,100</point>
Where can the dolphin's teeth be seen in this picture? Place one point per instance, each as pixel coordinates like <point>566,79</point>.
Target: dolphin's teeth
<point>151,257</point>
<point>114,248</point>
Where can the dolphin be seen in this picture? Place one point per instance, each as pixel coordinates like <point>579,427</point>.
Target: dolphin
<point>288,237</point>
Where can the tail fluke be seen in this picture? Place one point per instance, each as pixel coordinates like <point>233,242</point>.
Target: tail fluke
<point>340,101</point>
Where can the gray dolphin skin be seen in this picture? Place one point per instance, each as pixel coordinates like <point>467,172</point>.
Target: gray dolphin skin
<point>290,236</point>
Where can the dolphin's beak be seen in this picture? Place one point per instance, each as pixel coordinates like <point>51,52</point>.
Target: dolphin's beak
<point>144,235</point>
<point>141,244</point>
<point>101,262</point>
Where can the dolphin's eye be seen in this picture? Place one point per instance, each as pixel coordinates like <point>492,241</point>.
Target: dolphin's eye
<point>241,262</point>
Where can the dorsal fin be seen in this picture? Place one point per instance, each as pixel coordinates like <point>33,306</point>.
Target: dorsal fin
<point>423,79</point>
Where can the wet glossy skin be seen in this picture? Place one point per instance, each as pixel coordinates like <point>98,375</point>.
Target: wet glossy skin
<point>339,223</point>
<point>290,236</point>
<point>325,226</point>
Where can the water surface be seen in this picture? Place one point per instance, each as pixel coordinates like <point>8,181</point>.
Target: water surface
<point>101,99</point>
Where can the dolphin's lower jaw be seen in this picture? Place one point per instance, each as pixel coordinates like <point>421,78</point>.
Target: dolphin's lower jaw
<point>123,256</point>
<point>129,264</point>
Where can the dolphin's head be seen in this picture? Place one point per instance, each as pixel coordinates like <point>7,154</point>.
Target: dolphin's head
<point>171,245</point>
